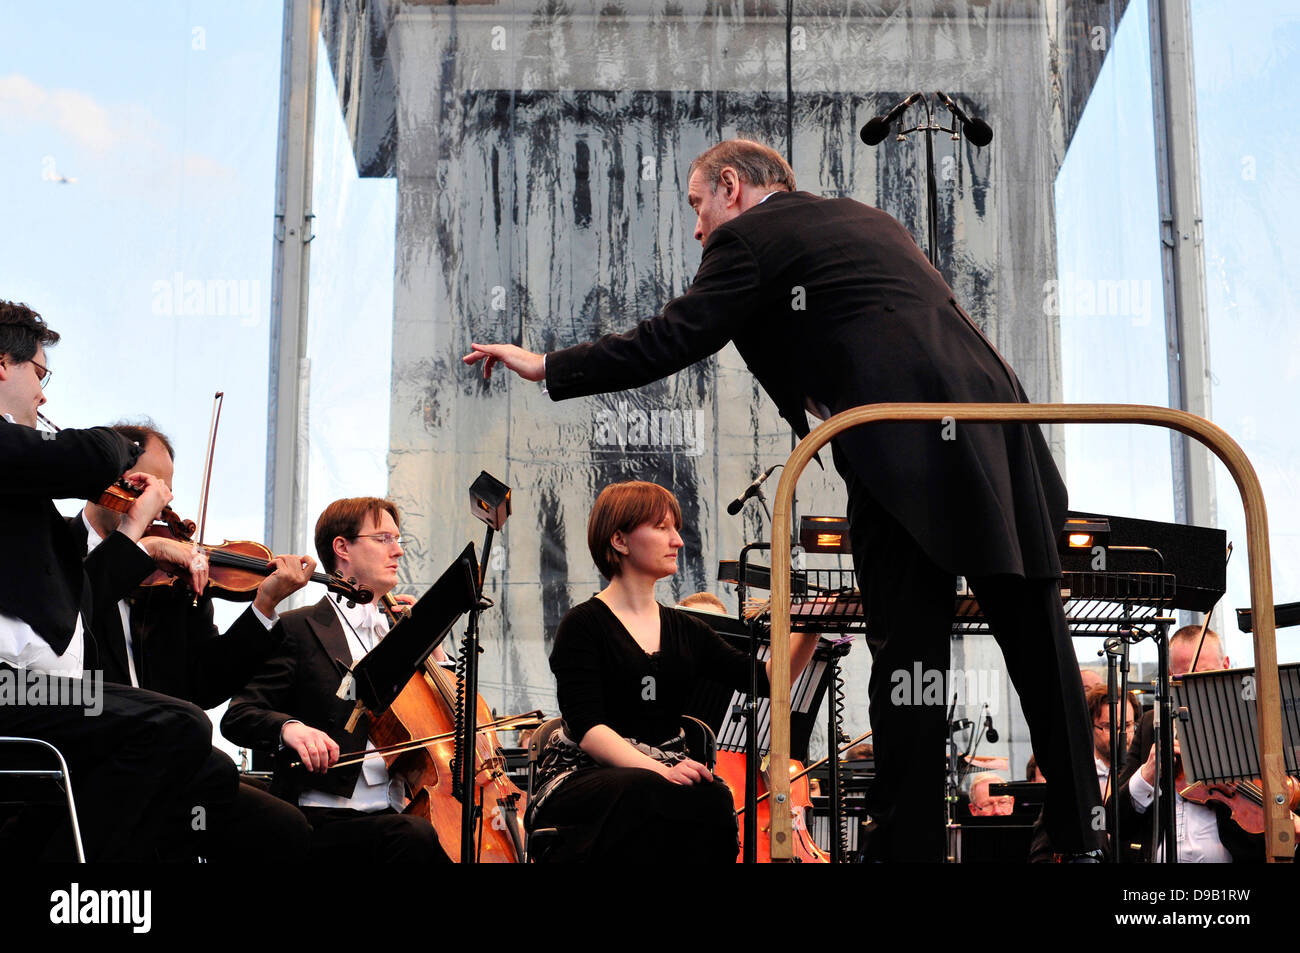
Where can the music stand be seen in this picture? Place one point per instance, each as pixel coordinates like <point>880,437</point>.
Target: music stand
<point>1219,723</point>
<point>381,674</point>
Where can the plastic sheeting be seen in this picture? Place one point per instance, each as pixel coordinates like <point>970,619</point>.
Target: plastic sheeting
<point>540,152</point>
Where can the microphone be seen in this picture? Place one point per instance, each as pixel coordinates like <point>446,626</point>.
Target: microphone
<point>990,732</point>
<point>877,128</point>
<point>734,506</point>
<point>977,130</point>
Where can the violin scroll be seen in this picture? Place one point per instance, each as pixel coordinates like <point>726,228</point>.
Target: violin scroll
<point>120,496</point>
<point>349,589</point>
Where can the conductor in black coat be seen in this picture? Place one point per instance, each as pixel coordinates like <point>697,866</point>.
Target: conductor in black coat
<point>832,305</point>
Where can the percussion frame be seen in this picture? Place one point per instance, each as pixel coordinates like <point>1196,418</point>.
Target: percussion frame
<point>1279,846</point>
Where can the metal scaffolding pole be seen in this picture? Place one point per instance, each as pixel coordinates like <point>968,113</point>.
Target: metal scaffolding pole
<point>286,434</point>
<point>1178,172</point>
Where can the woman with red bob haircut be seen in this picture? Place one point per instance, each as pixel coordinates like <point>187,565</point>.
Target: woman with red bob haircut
<point>616,781</point>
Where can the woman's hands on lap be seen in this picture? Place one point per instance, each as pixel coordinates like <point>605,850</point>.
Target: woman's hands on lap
<point>687,772</point>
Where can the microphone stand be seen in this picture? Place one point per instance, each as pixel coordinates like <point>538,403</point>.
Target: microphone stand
<point>952,785</point>
<point>749,710</point>
<point>762,498</point>
<point>469,809</point>
<point>1117,669</point>
<point>930,126</point>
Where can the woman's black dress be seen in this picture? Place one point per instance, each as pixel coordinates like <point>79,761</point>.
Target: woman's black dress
<point>603,677</point>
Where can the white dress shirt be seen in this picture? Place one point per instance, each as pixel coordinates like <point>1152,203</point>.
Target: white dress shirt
<point>1103,775</point>
<point>1197,826</point>
<point>22,648</point>
<point>363,626</point>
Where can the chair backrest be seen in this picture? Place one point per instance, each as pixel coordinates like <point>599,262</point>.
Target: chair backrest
<point>536,744</point>
<point>701,742</point>
<point>59,775</point>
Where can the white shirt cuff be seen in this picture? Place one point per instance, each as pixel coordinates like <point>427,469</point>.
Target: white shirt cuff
<point>1141,793</point>
<point>268,622</point>
<point>544,390</point>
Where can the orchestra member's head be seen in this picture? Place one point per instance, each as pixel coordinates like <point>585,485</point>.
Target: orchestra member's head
<point>360,537</point>
<point>634,532</point>
<point>156,460</point>
<point>1033,772</point>
<point>1182,650</point>
<point>981,804</point>
<point>732,177</point>
<point>1099,712</point>
<point>704,602</point>
<point>863,751</point>
<point>24,371</point>
<point>1090,678</point>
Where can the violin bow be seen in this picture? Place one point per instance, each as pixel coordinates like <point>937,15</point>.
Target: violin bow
<point>811,768</point>
<point>1205,626</point>
<point>530,719</point>
<point>217,400</point>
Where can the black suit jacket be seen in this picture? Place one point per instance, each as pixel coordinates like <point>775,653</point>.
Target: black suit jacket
<point>831,300</point>
<point>298,682</point>
<point>1135,828</point>
<point>178,650</point>
<point>43,581</point>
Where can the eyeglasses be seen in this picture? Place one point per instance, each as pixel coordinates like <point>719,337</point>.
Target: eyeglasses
<point>43,373</point>
<point>384,539</point>
<point>1128,725</point>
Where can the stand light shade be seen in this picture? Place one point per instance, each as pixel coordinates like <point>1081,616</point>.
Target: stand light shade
<point>489,500</point>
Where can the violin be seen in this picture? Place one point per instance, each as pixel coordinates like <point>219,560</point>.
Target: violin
<point>120,496</point>
<point>236,568</point>
<point>1245,799</point>
<point>425,709</point>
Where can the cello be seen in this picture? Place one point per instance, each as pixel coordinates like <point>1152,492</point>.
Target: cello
<point>424,709</point>
<point>731,768</point>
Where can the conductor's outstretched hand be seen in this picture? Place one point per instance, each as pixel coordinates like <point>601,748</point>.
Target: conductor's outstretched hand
<point>526,364</point>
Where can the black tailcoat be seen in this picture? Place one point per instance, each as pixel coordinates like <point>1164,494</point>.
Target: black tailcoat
<point>298,682</point>
<point>44,583</point>
<point>830,300</point>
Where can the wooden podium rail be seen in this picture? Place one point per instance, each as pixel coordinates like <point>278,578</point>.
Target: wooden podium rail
<point>1278,832</point>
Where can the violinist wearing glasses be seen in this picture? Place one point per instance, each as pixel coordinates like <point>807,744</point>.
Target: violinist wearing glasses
<point>616,781</point>
<point>138,757</point>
